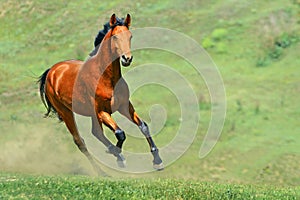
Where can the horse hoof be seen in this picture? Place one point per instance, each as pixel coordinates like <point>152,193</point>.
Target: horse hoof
<point>121,164</point>
<point>159,166</point>
<point>113,150</point>
<point>121,161</point>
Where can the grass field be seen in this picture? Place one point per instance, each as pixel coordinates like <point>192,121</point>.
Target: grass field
<point>256,47</point>
<point>78,187</point>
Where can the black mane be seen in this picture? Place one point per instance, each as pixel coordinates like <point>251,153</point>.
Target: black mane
<point>102,33</point>
<point>106,28</point>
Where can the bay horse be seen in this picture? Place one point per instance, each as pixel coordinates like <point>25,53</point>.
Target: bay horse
<point>95,88</point>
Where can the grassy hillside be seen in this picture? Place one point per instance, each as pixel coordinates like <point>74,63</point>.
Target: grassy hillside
<point>255,46</point>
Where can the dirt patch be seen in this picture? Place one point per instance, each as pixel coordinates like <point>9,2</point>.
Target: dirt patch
<point>284,170</point>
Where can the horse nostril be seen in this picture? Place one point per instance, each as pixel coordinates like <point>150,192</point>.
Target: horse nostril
<point>127,59</point>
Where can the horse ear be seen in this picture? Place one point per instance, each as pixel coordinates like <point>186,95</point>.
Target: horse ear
<point>127,21</point>
<point>113,20</point>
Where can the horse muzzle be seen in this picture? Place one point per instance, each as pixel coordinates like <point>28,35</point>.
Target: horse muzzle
<point>126,61</point>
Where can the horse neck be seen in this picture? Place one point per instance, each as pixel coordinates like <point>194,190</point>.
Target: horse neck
<point>116,71</point>
<point>108,63</point>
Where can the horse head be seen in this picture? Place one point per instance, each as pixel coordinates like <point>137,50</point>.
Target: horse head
<point>121,39</point>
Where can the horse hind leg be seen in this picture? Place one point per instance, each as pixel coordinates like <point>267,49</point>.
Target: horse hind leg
<point>68,118</point>
<point>82,147</point>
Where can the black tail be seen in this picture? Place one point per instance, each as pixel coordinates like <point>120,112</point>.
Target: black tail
<point>44,98</point>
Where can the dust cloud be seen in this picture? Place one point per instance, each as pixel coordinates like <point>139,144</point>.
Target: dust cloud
<point>40,149</point>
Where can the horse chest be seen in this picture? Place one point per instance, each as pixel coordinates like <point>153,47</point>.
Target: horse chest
<point>120,95</point>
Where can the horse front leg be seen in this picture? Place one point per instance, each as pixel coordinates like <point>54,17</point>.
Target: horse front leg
<point>130,113</point>
<point>97,131</point>
<point>157,162</point>
<point>120,135</point>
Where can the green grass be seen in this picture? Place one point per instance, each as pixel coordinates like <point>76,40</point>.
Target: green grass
<point>260,139</point>
<point>18,186</point>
